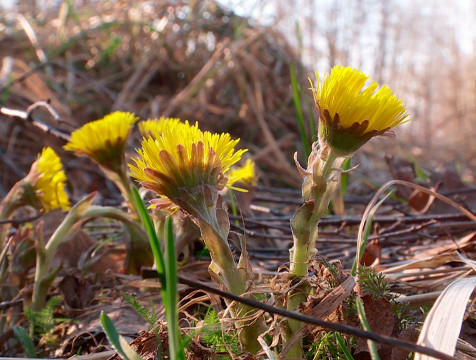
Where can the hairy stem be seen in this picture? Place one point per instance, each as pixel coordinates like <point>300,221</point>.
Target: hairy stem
<point>224,270</point>
<point>305,233</point>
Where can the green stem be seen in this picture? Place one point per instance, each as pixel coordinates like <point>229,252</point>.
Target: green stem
<point>223,269</point>
<point>304,222</point>
<point>80,212</point>
<point>222,264</point>
<point>45,253</point>
<point>305,233</point>
<point>121,180</point>
<point>7,208</point>
<point>138,246</point>
<point>21,194</point>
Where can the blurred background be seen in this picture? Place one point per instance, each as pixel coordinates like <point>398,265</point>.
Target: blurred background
<point>227,64</point>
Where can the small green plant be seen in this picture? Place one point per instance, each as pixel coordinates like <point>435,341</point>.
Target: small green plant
<point>374,283</point>
<point>42,322</point>
<point>331,345</point>
<point>214,336</point>
<point>167,273</point>
<point>148,315</point>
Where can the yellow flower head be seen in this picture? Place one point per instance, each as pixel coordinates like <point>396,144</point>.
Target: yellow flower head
<point>350,115</point>
<point>182,159</point>
<point>48,180</point>
<point>155,127</point>
<point>103,140</point>
<point>245,174</point>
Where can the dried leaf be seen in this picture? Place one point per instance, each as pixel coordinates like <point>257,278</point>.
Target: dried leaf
<point>431,262</point>
<point>443,324</point>
<point>372,253</point>
<point>382,321</point>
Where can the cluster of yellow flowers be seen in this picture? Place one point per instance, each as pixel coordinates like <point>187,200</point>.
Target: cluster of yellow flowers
<point>176,154</point>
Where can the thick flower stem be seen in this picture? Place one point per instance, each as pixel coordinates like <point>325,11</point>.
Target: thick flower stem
<point>121,180</point>
<point>305,232</point>
<point>223,270</point>
<point>222,259</point>
<point>139,252</point>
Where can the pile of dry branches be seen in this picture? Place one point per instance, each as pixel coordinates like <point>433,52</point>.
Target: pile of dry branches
<point>193,60</point>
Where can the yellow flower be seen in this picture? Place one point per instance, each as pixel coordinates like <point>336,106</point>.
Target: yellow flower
<point>103,140</point>
<point>48,180</point>
<point>155,127</point>
<point>182,159</point>
<point>245,174</point>
<point>350,115</point>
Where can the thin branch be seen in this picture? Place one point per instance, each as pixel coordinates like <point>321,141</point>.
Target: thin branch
<point>350,330</point>
<point>27,116</point>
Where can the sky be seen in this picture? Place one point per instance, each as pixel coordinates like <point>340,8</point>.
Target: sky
<point>462,17</point>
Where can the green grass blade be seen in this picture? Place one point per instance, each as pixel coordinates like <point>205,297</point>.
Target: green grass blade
<point>171,313</point>
<point>366,233</point>
<point>25,341</point>
<point>344,177</point>
<point>117,341</point>
<point>300,118</point>
<point>365,325</point>
<point>154,240</point>
<point>343,347</point>
<point>234,210</point>
<point>312,121</point>
<point>167,271</point>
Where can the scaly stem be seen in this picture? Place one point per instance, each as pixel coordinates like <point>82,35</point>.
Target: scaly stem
<point>304,222</point>
<point>223,269</point>
<point>45,253</point>
<point>204,206</point>
<point>305,233</point>
<point>223,264</point>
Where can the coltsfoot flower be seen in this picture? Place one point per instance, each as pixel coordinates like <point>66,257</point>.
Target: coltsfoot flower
<point>245,174</point>
<point>155,127</point>
<point>48,179</point>
<point>43,189</point>
<point>182,159</point>
<point>350,115</point>
<point>104,140</point>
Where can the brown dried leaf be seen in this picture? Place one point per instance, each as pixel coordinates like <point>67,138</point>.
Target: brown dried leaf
<point>372,253</point>
<point>409,334</point>
<point>324,309</point>
<point>419,201</point>
<point>382,321</point>
<point>77,293</point>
